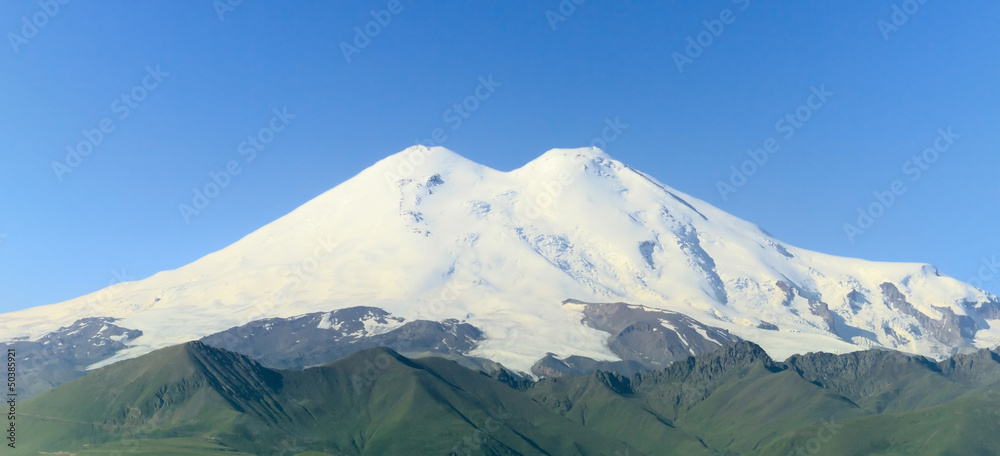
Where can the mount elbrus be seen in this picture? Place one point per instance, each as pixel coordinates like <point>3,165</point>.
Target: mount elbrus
<point>574,259</point>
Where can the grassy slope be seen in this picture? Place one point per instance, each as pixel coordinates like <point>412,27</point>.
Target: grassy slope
<point>193,399</point>
<point>966,426</point>
<point>164,389</point>
<point>590,402</point>
<point>162,447</point>
<point>387,404</point>
<point>372,402</point>
<point>759,407</point>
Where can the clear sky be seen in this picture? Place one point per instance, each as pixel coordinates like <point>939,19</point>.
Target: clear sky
<point>158,95</point>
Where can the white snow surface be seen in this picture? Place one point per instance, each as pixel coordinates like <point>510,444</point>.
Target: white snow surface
<point>428,234</point>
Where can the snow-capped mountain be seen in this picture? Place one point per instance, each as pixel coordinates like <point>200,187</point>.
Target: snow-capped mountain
<point>426,234</point>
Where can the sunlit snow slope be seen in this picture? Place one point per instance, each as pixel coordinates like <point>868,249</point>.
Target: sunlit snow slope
<point>429,234</point>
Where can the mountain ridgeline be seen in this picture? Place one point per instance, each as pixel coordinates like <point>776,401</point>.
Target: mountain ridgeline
<point>196,399</point>
<point>500,266</point>
<point>575,305</point>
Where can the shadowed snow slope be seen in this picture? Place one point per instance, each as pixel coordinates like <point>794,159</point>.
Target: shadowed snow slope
<point>428,234</point>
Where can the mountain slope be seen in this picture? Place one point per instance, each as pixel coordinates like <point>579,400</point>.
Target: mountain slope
<point>195,399</point>
<point>965,426</point>
<point>371,402</point>
<point>428,235</point>
<point>739,401</point>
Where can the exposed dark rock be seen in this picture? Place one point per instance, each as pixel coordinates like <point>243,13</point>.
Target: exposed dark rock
<point>551,367</point>
<point>653,338</point>
<point>981,368</point>
<point>857,300</point>
<point>767,326</point>
<point>787,290</point>
<point>693,379</point>
<point>821,310</point>
<point>858,375</point>
<point>951,329</point>
<point>990,309</point>
<point>618,383</point>
<point>646,249</point>
<point>65,353</point>
<point>321,337</point>
<point>511,379</point>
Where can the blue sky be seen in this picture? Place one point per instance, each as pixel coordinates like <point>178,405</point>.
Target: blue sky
<point>198,78</point>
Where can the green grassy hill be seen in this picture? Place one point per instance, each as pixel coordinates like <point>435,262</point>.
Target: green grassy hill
<point>193,399</point>
<point>371,402</point>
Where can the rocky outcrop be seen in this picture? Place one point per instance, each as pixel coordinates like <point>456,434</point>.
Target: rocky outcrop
<point>951,329</point>
<point>317,338</point>
<point>64,354</point>
<point>651,337</point>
